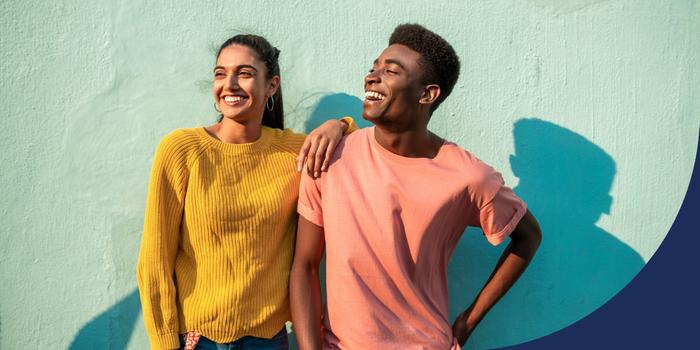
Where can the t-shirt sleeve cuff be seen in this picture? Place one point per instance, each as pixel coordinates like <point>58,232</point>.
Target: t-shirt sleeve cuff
<point>314,217</point>
<point>500,236</point>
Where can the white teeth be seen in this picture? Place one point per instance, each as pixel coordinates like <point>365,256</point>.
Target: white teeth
<point>232,98</point>
<point>374,95</point>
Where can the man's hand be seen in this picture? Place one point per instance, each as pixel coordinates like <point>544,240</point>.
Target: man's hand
<point>319,146</point>
<point>525,239</point>
<point>462,329</point>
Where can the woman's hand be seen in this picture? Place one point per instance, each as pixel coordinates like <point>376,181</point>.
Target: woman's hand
<point>319,146</point>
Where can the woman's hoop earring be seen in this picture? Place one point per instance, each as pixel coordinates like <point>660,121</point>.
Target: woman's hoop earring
<point>216,107</point>
<point>270,103</point>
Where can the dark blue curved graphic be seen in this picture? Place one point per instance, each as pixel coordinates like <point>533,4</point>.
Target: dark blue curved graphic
<point>659,309</point>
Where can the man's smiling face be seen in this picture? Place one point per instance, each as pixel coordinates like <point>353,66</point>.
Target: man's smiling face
<point>393,86</point>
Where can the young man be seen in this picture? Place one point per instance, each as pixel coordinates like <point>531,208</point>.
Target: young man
<point>390,212</point>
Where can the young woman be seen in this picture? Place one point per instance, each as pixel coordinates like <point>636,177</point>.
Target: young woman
<point>220,216</point>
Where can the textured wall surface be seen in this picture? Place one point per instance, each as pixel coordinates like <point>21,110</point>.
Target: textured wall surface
<point>590,109</point>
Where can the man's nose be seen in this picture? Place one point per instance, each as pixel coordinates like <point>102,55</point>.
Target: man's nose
<point>372,77</point>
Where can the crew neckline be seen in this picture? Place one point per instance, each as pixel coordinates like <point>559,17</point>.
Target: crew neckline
<point>401,159</point>
<point>258,145</point>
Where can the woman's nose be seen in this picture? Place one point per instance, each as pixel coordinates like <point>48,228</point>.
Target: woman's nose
<point>231,82</point>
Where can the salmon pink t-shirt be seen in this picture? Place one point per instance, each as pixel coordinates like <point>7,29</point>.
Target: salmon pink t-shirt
<point>391,225</point>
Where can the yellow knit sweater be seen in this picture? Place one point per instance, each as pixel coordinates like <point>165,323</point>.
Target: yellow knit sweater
<point>218,236</point>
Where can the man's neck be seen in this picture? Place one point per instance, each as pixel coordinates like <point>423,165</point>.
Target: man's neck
<point>416,142</point>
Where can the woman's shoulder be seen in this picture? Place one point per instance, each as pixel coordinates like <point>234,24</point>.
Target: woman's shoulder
<point>183,135</point>
<point>180,141</point>
<point>287,139</point>
<point>287,134</point>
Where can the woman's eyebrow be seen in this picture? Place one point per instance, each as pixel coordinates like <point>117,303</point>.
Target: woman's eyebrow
<point>237,67</point>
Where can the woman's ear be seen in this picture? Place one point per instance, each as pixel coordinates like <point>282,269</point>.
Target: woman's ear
<point>430,94</point>
<point>274,85</point>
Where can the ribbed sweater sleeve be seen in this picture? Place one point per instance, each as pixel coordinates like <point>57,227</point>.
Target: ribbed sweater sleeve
<point>161,235</point>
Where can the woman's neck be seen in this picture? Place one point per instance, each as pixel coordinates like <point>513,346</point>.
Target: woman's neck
<point>231,131</point>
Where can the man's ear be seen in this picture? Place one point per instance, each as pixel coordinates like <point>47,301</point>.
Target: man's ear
<point>430,94</point>
<point>274,85</point>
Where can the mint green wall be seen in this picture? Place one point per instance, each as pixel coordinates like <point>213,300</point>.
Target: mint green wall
<point>589,108</point>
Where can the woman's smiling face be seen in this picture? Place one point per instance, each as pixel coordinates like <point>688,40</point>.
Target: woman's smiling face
<point>241,84</point>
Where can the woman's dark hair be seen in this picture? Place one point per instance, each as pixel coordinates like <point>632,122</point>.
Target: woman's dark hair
<point>268,54</point>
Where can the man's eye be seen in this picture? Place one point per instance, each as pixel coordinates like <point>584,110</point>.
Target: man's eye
<point>391,71</point>
<point>219,74</point>
<point>371,70</point>
<point>245,73</point>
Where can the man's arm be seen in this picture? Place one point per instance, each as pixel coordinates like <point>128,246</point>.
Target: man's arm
<point>525,239</point>
<point>304,285</point>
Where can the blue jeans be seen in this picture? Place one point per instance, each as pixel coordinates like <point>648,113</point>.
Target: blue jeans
<point>278,342</point>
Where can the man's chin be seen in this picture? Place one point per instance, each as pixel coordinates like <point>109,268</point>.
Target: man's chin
<point>370,117</point>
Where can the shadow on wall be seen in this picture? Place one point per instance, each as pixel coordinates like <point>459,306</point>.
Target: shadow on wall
<point>112,328</point>
<point>565,180</point>
<point>334,106</point>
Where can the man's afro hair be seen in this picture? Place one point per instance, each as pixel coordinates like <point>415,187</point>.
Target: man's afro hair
<point>439,59</point>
